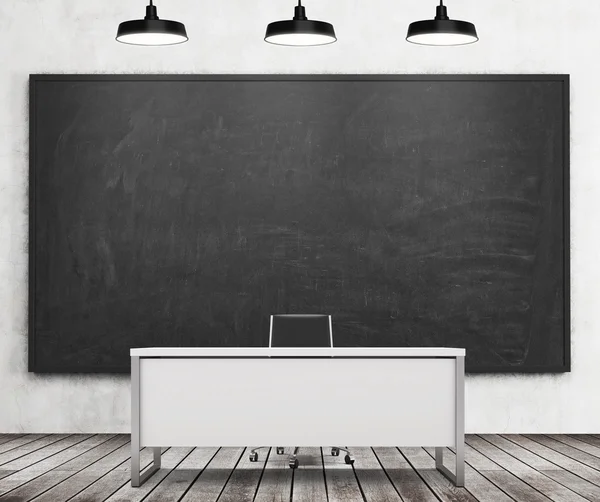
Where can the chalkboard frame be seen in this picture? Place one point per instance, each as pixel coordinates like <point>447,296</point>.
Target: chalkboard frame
<point>36,367</point>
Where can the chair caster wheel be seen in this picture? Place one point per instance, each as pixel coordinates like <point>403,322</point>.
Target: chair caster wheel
<point>280,450</point>
<point>349,460</point>
<point>335,451</point>
<point>253,457</point>
<point>293,463</point>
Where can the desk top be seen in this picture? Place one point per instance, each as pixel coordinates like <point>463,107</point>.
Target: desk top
<point>297,352</point>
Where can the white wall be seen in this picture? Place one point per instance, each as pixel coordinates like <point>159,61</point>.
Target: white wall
<point>517,36</point>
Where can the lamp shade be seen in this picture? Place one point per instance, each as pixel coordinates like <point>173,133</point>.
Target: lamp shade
<point>300,31</point>
<point>442,30</point>
<point>151,30</point>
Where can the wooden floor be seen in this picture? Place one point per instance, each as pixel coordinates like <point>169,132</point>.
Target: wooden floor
<point>500,468</point>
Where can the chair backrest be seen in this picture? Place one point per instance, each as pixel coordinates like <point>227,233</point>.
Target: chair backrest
<point>300,330</point>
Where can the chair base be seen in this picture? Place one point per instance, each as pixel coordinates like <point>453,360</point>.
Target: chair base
<point>293,458</point>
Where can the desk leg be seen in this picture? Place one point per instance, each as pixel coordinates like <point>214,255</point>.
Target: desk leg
<point>460,421</point>
<point>137,479</point>
<point>458,478</point>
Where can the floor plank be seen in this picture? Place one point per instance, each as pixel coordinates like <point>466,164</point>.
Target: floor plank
<point>243,482</point>
<point>18,441</point>
<point>372,479</point>
<point>523,454</point>
<point>209,485</point>
<point>576,443</point>
<point>340,479</point>
<point>104,487</point>
<point>6,472</point>
<point>30,448</point>
<point>105,444</point>
<point>445,490</point>
<point>110,456</point>
<point>565,449</point>
<point>515,487</point>
<point>171,458</point>
<point>577,484</point>
<point>5,438</point>
<point>179,480</point>
<point>276,482</point>
<point>45,459</point>
<point>408,483</point>
<point>588,438</point>
<point>478,461</point>
<point>309,477</point>
<point>565,478</point>
<point>475,483</point>
<point>99,446</point>
<point>557,458</point>
<point>499,468</point>
<point>545,485</point>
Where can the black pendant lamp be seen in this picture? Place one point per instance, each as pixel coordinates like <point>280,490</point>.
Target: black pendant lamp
<point>151,30</point>
<point>442,30</point>
<point>300,31</point>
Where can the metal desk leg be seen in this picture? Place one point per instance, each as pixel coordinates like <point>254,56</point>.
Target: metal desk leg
<point>137,478</point>
<point>458,478</point>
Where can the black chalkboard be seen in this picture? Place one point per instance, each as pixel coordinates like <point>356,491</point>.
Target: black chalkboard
<point>181,210</point>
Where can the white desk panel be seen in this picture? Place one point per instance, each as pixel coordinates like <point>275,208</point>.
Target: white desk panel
<point>297,402</point>
<point>297,352</point>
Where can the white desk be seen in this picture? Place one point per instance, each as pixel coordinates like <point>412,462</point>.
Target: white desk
<point>316,397</point>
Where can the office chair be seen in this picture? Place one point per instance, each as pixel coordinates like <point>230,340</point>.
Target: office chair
<point>301,330</point>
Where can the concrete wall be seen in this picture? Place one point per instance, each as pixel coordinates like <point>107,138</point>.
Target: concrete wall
<point>517,36</point>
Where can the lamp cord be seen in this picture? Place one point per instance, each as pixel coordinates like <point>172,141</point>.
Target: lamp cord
<point>441,13</point>
<point>299,12</point>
